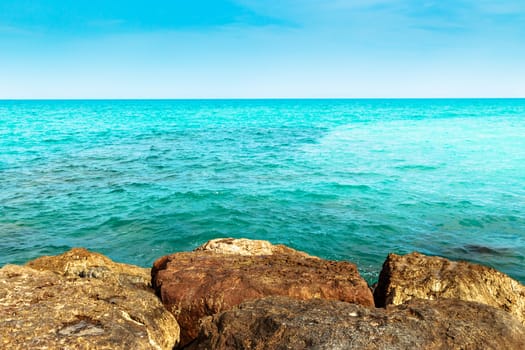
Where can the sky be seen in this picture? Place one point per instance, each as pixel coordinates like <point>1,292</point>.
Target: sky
<point>261,48</point>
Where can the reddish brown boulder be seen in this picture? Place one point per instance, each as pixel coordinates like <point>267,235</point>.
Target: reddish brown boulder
<point>430,277</point>
<point>203,282</point>
<point>283,323</point>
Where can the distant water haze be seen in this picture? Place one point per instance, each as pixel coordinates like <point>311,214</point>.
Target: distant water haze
<point>341,179</point>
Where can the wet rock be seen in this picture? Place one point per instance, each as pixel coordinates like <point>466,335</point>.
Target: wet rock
<point>204,282</point>
<point>103,305</point>
<point>418,276</point>
<point>283,323</point>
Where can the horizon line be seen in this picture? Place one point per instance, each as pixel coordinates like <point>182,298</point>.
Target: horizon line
<point>253,98</point>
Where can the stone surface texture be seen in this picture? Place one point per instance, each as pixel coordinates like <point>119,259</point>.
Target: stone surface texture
<point>426,277</point>
<point>81,300</point>
<point>283,323</point>
<point>204,282</point>
<point>248,247</point>
<point>246,294</point>
<point>80,262</point>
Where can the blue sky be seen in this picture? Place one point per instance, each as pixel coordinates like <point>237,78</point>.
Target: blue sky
<point>260,49</point>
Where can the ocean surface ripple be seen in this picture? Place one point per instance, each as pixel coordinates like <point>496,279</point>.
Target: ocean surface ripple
<point>341,179</point>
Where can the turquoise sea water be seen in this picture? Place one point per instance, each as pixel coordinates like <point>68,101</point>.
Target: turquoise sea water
<point>341,179</point>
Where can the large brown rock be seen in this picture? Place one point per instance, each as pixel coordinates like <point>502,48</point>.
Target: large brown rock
<point>283,323</point>
<point>103,305</point>
<point>418,276</point>
<point>204,282</point>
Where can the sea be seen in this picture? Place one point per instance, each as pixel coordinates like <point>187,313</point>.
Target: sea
<point>343,179</point>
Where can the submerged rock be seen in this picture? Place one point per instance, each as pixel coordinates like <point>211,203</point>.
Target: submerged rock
<point>481,249</point>
<point>283,323</point>
<point>81,300</point>
<point>207,281</point>
<point>418,276</point>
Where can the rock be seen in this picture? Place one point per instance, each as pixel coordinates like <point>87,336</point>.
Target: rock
<point>103,305</point>
<point>418,276</point>
<point>247,247</point>
<point>204,282</point>
<point>80,262</point>
<point>283,323</point>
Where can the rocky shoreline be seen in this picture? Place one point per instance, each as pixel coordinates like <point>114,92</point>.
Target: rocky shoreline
<point>247,294</point>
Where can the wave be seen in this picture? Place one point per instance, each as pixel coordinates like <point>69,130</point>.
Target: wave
<point>417,167</point>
